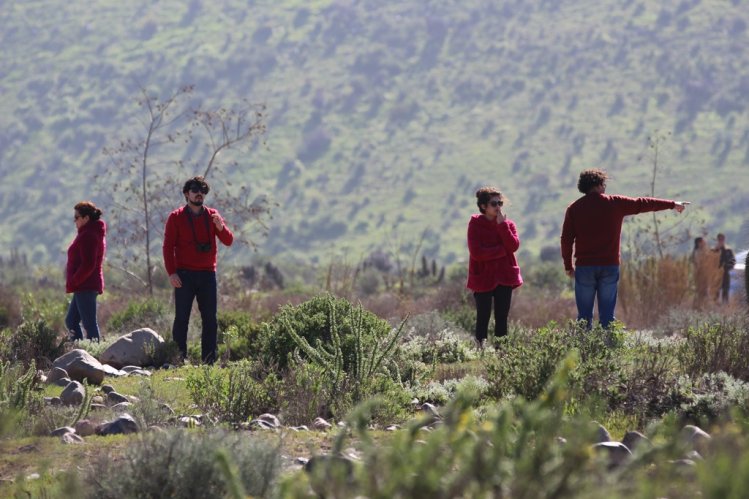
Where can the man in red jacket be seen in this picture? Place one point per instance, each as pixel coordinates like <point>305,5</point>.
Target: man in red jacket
<point>593,224</point>
<point>190,259</point>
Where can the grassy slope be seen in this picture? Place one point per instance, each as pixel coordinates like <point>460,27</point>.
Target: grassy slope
<point>421,103</point>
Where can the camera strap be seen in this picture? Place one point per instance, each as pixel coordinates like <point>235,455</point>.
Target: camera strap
<point>204,216</point>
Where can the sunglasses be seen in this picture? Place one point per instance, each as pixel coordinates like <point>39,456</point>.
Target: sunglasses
<point>197,189</point>
<point>495,203</point>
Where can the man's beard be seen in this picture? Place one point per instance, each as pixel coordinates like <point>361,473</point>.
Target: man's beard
<point>197,203</point>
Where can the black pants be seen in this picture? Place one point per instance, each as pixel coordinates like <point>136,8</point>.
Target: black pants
<point>725,285</point>
<point>502,296</point>
<point>200,284</point>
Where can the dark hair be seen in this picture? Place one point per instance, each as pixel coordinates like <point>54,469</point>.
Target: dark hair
<point>590,179</point>
<point>697,241</point>
<point>720,236</point>
<point>485,194</point>
<point>88,209</point>
<point>199,181</point>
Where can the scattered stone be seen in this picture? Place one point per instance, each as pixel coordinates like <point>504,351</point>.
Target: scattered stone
<point>602,434</point>
<point>188,421</point>
<point>53,401</point>
<point>270,419</point>
<point>299,428</point>
<point>58,432</point>
<point>136,348</point>
<point>166,409</point>
<point>56,373</point>
<point>33,476</point>
<point>694,456</point>
<point>123,425</point>
<point>73,394</point>
<point>301,460</point>
<point>393,427</point>
<point>97,399</point>
<point>81,365</point>
<point>684,463</point>
<point>98,407</point>
<point>107,388</point>
<point>261,424</point>
<point>696,437</point>
<point>122,407</point>
<point>415,401</point>
<point>430,409</point>
<point>321,424</point>
<point>633,439</point>
<point>140,372</point>
<point>63,382</point>
<point>41,378</point>
<point>114,398</point>
<point>71,438</point>
<point>561,440</point>
<point>617,452</point>
<point>85,428</point>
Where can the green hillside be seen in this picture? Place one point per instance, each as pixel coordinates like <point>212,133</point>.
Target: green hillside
<point>383,117</point>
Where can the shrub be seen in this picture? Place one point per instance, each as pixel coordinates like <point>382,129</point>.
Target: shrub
<point>142,313</point>
<point>718,346</point>
<point>17,393</point>
<point>305,394</point>
<point>712,397</point>
<point>311,321</point>
<point>33,341</point>
<point>238,335</point>
<point>235,393</point>
<point>183,464</point>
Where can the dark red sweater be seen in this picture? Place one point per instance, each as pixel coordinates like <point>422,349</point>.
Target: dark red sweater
<point>180,250</point>
<point>85,257</point>
<point>593,224</point>
<point>491,248</point>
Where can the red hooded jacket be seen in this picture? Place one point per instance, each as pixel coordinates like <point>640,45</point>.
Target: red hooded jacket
<point>492,247</point>
<point>85,257</point>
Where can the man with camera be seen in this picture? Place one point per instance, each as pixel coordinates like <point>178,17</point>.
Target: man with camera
<point>190,259</point>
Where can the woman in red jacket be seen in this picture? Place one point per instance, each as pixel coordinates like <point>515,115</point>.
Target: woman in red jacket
<point>493,271</point>
<point>84,277</point>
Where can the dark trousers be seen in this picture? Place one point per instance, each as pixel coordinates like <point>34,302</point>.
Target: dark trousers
<point>725,286</point>
<point>83,309</point>
<point>200,284</point>
<point>502,296</point>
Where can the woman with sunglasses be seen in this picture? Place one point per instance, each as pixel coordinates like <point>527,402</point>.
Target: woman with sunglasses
<point>84,276</point>
<point>493,271</point>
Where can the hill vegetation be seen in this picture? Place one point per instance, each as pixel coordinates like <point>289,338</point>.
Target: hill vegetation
<point>383,117</point>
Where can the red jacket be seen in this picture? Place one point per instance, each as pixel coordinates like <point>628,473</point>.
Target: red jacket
<point>491,248</point>
<point>593,224</point>
<point>85,256</point>
<point>180,249</point>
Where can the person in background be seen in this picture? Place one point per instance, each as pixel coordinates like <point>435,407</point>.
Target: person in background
<point>84,277</point>
<point>726,263</point>
<point>706,272</point>
<point>493,271</point>
<point>190,251</point>
<point>593,226</point>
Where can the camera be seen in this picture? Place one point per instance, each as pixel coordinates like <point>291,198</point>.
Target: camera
<point>203,247</point>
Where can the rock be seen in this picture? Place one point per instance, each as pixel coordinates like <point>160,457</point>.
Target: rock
<point>166,409</point>
<point>321,424</point>
<point>617,452</point>
<point>81,365</point>
<point>695,456</point>
<point>63,382</point>
<point>58,432</point>
<point>85,428</point>
<point>393,427</point>
<point>261,424</point>
<point>73,394</point>
<point>139,372</point>
<point>301,460</point>
<point>299,428</point>
<point>561,440</point>
<point>97,399</point>
<point>270,419</point>
<point>56,373</point>
<point>326,472</point>
<point>633,439</point>
<point>71,438</point>
<point>53,401</point>
<point>121,407</point>
<point>430,409</point>
<point>696,437</point>
<point>602,434</point>
<point>136,348</point>
<point>114,398</point>
<point>123,425</point>
<point>107,388</point>
<point>189,421</point>
<point>98,407</point>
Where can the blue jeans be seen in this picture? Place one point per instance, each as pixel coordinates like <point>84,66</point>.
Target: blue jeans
<point>596,281</point>
<point>200,284</point>
<point>83,309</point>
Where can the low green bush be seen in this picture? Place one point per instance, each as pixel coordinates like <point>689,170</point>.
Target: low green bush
<point>234,394</point>
<point>187,464</point>
<point>718,346</point>
<point>149,312</point>
<point>34,340</point>
<point>238,335</point>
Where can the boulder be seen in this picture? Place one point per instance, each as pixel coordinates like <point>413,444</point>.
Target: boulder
<point>85,428</point>
<point>114,398</point>
<point>81,365</point>
<point>133,349</point>
<point>71,438</point>
<point>633,439</point>
<point>696,437</point>
<point>58,432</point>
<point>617,452</point>
<point>270,419</point>
<point>73,394</point>
<point>123,425</point>
<point>56,373</point>
<point>321,424</point>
